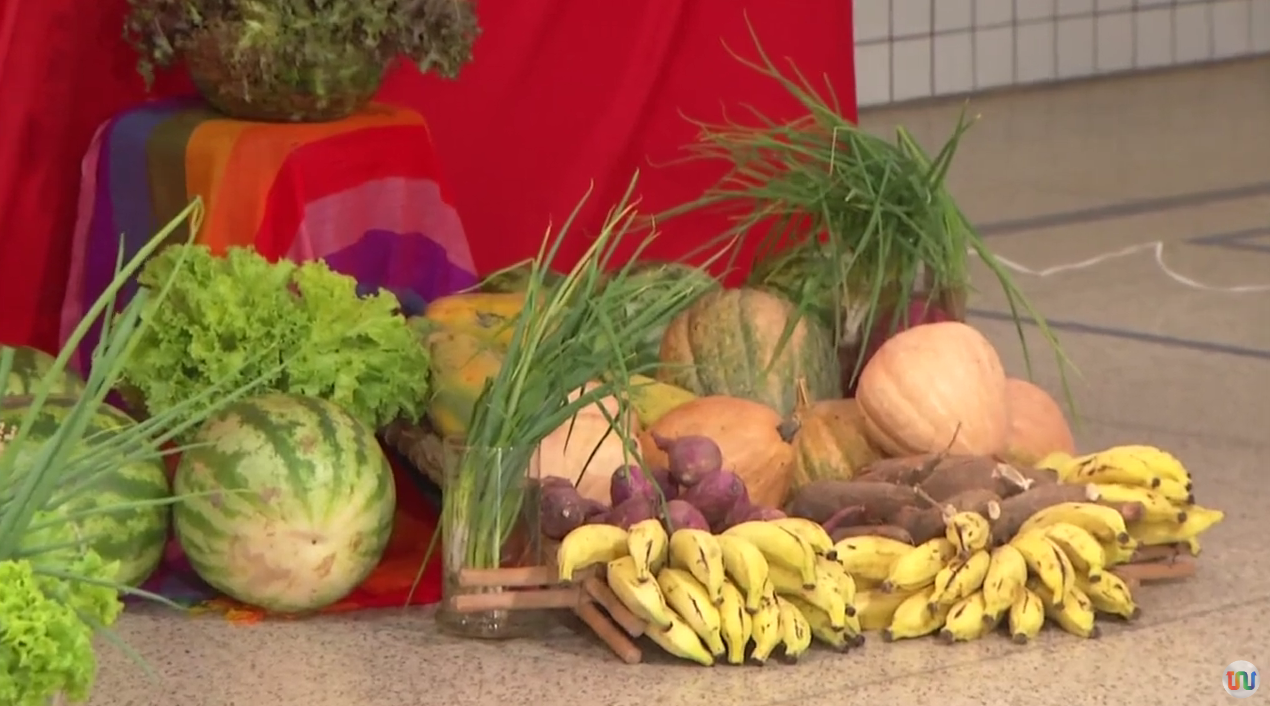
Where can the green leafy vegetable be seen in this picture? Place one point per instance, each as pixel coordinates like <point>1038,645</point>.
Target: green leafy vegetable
<point>222,312</point>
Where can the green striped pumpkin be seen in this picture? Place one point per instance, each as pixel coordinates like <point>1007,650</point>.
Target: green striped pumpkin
<point>729,342</point>
<point>296,504</point>
<point>654,278</point>
<point>30,367</point>
<point>133,537</point>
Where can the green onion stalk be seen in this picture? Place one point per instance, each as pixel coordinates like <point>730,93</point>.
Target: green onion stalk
<point>573,335</point>
<point>849,224</point>
<point>63,593</point>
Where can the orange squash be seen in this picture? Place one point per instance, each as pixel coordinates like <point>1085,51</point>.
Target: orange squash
<point>935,387</point>
<point>754,439</point>
<point>831,441</point>
<point>587,449</point>
<point>1038,427</point>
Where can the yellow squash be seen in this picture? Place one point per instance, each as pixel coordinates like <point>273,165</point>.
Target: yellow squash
<point>491,316</point>
<point>461,364</point>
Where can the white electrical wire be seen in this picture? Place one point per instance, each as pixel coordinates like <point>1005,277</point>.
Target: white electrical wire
<point>1157,248</point>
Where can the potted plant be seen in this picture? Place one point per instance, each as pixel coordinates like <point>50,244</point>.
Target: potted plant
<point>297,60</point>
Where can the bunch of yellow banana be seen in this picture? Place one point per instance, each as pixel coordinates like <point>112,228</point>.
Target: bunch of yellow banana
<point>1150,477</point>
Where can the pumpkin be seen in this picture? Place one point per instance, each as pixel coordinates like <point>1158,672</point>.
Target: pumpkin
<point>652,279</point>
<point>733,342</point>
<point>651,400</point>
<point>932,388</point>
<point>461,363</point>
<point>491,316</point>
<point>754,439</point>
<point>831,442</point>
<point>586,450</point>
<point>1037,425</point>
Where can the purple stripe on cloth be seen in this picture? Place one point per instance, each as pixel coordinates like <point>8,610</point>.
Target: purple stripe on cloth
<point>410,265</point>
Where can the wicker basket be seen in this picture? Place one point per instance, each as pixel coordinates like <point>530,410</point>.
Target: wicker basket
<point>241,89</point>
<point>420,445</point>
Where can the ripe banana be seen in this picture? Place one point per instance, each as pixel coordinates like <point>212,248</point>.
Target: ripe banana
<point>824,596</point>
<point>967,620</point>
<point>813,533</point>
<point>691,602</point>
<point>736,624</point>
<point>870,558</point>
<point>821,625</point>
<point>680,641</point>
<point>1199,519</point>
<point>698,552</point>
<point>1163,464</point>
<point>1111,596</point>
<point>969,532</point>
<point>914,618</point>
<point>1027,616</point>
<point>840,581</point>
<point>875,609</point>
<point>1055,460</point>
<point>780,547</point>
<point>643,599</point>
<point>1175,492</point>
<point>746,566</point>
<point>918,567</point>
<point>648,545</point>
<point>1104,523</point>
<point>1047,561</point>
<point>766,628</point>
<point>1144,466</point>
<point>1007,573</point>
<point>1073,612</point>
<point>960,578</point>
<point>1084,552</point>
<point>1117,554</point>
<point>795,630</point>
<point>589,545</point>
<point>1155,507</point>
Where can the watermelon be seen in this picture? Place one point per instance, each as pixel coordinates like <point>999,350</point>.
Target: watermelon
<point>655,277</point>
<point>30,367</point>
<point>133,537</point>
<point>295,502</point>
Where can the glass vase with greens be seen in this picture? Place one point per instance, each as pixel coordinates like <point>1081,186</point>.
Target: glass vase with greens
<point>858,231</point>
<point>568,352</point>
<point>57,594</point>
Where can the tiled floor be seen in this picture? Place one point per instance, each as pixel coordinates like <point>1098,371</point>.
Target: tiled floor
<point>1160,362</point>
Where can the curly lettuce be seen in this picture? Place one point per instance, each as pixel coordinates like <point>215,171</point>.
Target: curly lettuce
<point>233,319</point>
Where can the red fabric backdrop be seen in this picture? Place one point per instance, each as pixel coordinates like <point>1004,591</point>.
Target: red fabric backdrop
<point>563,93</point>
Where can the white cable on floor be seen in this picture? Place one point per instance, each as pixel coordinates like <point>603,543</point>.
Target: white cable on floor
<point>1157,247</point>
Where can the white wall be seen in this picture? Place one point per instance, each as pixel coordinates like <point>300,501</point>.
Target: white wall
<point>910,49</point>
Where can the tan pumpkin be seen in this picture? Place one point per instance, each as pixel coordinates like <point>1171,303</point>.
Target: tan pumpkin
<point>754,439</point>
<point>1038,427</point>
<point>588,450</point>
<point>935,387</point>
<point>831,441</point>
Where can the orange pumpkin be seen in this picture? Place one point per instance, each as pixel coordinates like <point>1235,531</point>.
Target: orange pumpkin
<point>831,441</point>
<point>755,442</point>
<point>1037,425</point>
<point>935,387</point>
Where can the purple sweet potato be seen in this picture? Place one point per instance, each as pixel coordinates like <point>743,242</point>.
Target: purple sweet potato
<point>820,500</point>
<point>561,510</point>
<point>669,488</point>
<point>759,513</point>
<point>690,457</point>
<point>631,482</point>
<point>635,509</point>
<point>846,517</point>
<point>681,515</point>
<point>715,494</point>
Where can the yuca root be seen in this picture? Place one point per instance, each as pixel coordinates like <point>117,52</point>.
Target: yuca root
<point>1017,509</point>
<point>963,473</point>
<point>820,500</point>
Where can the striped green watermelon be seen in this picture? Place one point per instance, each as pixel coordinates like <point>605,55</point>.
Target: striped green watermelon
<point>654,278</point>
<point>306,509</point>
<point>30,367</point>
<point>134,537</point>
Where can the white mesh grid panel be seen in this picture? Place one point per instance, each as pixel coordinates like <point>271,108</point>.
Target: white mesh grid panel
<point>912,49</point>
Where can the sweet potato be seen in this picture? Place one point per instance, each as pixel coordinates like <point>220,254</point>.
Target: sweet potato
<point>822,499</point>
<point>682,515</point>
<point>636,509</point>
<point>715,494</point>
<point>958,474</point>
<point>1017,509</point>
<point>562,509</point>
<point>899,534</point>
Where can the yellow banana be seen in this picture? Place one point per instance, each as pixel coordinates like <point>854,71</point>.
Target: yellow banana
<point>1104,523</point>
<point>875,609</point>
<point>1073,612</point>
<point>648,545</point>
<point>691,602</point>
<point>917,568</point>
<point>736,624</point>
<point>643,599</point>
<point>1007,573</point>
<point>1155,507</point>
<point>1199,519</point>
<point>1163,464</point>
<point>870,558</point>
<point>680,640</point>
<point>1144,466</point>
<point>1084,552</point>
<point>795,630</point>
<point>914,618</point>
<point>821,626</point>
<point>960,578</point>
<point>840,581</point>
<point>1047,561</point>
<point>824,596</point>
<point>1175,492</point>
<point>589,545</point>
<point>698,552</point>
<point>779,546</point>
<point>967,620</point>
<point>766,629</point>
<point>1027,616</point>
<point>969,532</point>
<point>813,533</point>
<point>1111,595</point>
<point>1117,554</point>
<point>746,566</point>
<point>1055,460</point>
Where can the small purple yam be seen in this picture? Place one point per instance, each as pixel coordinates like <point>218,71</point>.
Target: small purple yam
<point>669,488</point>
<point>561,511</point>
<point>631,482</point>
<point>715,494</point>
<point>682,515</point>
<point>635,509</point>
<point>690,457</point>
<point>764,514</point>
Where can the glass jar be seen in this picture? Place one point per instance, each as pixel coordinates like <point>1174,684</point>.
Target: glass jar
<point>489,520</point>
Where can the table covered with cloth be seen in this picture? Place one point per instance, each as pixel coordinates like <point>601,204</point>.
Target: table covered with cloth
<point>362,193</point>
